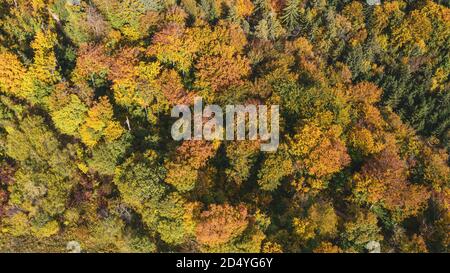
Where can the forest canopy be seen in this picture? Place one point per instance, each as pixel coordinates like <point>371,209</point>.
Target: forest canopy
<point>87,159</point>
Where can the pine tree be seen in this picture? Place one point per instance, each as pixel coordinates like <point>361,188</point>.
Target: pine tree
<point>291,15</point>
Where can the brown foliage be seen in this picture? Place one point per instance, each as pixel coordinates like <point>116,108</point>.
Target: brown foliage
<point>195,153</point>
<point>384,178</point>
<point>221,223</point>
<point>173,89</point>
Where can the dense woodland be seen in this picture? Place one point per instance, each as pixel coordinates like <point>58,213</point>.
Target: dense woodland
<point>86,155</point>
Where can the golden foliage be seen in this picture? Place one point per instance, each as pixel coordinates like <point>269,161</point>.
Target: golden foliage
<point>99,123</point>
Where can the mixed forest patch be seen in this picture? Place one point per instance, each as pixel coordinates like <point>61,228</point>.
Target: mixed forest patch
<point>86,155</point>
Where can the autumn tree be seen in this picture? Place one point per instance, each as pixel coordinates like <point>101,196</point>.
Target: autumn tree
<point>383,181</point>
<point>99,124</point>
<point>220,224</point>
